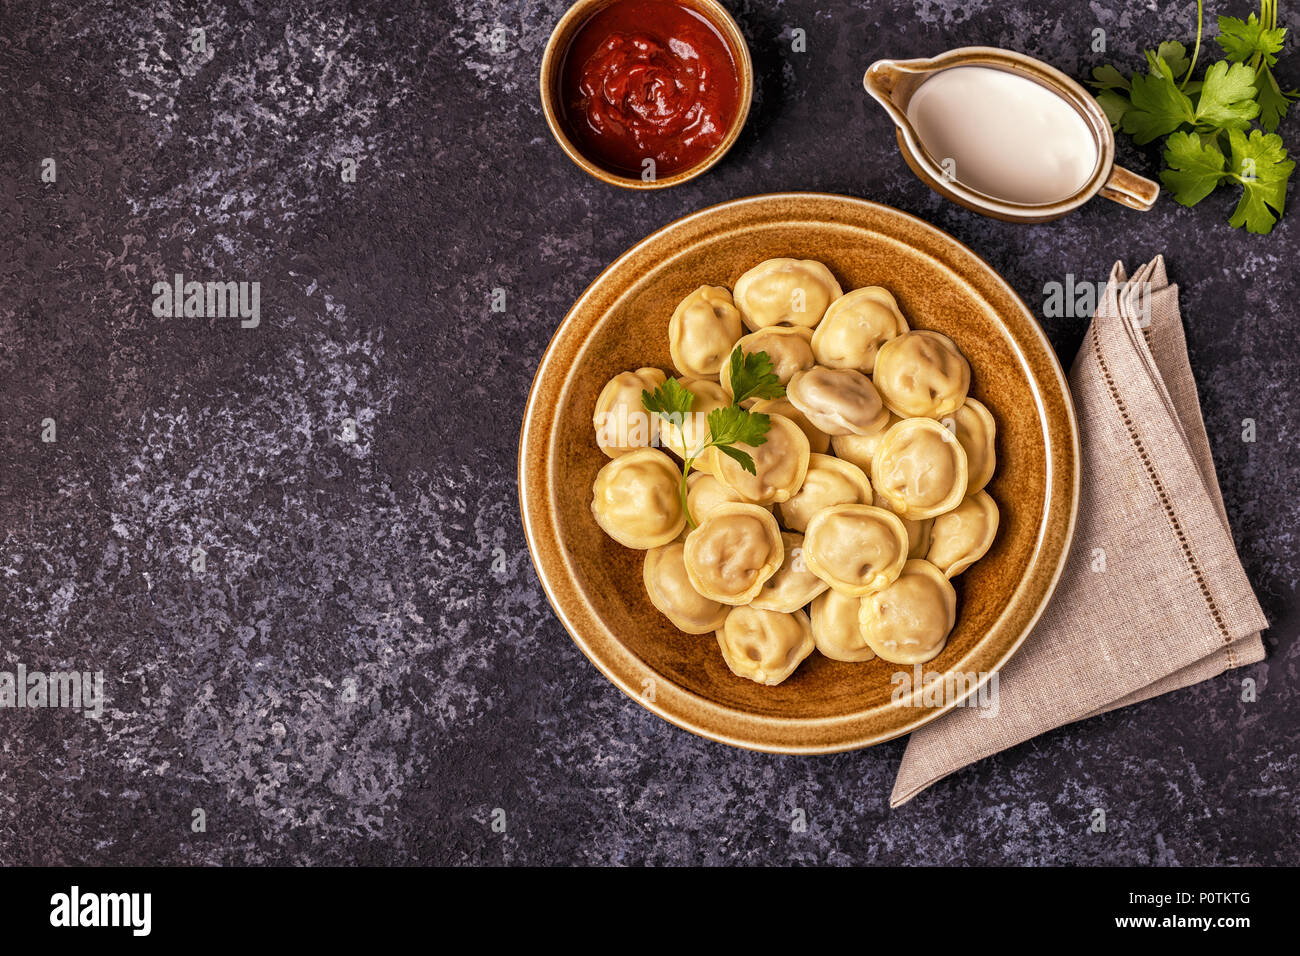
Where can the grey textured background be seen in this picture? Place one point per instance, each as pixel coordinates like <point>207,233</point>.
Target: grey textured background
<point>372,562</point>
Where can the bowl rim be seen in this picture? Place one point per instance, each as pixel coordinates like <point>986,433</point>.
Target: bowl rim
<point>535,508</point>
<point>553,63</point>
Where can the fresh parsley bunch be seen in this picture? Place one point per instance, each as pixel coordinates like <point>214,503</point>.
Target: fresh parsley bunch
<point>751,376</point>
<point>1208,122</point>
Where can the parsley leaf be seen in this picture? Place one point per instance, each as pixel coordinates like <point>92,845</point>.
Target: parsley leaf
<point>1256,43</point>
<point>742,457</point>
<point>732,425</point>
<point>1243,39</point>
<point>1108,78</point>
<point>1159,106</point>
<point>1226,101</point>
<point>1114,104</point>
<point>1273,102</point>
<point>1116,89</point>
<point>752,376</point>
<point>1259,163</point>
<point>671,401</point>
<point>1175,54</point>
<point>1113,92</point>
<point>1227,98</point>
<point>1195,167</point>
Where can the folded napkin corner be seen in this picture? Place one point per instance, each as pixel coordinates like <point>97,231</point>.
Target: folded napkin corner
<point>1153,596</point>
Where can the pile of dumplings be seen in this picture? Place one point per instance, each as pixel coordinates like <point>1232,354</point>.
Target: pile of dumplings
<point>867,498</point>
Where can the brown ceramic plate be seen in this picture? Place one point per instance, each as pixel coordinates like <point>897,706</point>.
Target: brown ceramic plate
<point>621,322</point>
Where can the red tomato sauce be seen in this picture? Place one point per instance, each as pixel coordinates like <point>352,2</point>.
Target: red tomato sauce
<point>648,79</point>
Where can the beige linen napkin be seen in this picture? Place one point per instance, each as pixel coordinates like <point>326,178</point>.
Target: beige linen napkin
<point>1153,596</point>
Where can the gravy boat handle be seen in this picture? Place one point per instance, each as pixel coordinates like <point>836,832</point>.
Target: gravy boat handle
<point>1129,189</point>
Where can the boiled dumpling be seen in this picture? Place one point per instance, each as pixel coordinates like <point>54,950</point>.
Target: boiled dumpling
<point>620,420</point>
<point>671,591</point>
<point>789,350</point>
<point>765,646</point>
<point>856,549</point>
<point>703,330</point>
<point>694,430</point>
<point>918,532</point>
<point>909,621</point>
<point>921,374</point>
<point>839,401</point>
<point>962,536</point>
<point>829,481</point>
<point>636,499</point>
<point>780,464</point>
<point>837,628</point>
<point>704,493</point>
<point>785,292</point>
<point>976,431</point>
<point>793,585</point>
<point>861,449</point>
<point>920,469</point>
<point>854,328</point>
<point>819,443</point>
<point>733,552</point>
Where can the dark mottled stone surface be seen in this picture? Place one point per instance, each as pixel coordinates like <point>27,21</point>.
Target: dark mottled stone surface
<point>368,667</point>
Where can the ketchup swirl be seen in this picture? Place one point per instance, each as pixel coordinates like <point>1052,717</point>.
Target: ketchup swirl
<point>649,79</point>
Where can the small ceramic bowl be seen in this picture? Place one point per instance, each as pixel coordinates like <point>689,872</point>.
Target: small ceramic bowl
<point>893,82</point>
<point>553,66</point>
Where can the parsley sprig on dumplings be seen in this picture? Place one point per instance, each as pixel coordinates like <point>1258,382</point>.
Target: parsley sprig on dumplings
<point>751,376</point>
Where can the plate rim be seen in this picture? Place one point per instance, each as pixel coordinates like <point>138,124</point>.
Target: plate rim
<point>532,510</point>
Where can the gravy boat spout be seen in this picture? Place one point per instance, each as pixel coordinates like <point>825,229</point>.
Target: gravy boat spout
<point>894,84</point>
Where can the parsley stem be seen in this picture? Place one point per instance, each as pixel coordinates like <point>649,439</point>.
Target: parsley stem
<point>1268,21</point>
<point>1196,51</point>
<point>686,509</point>
<point>686,470</point>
